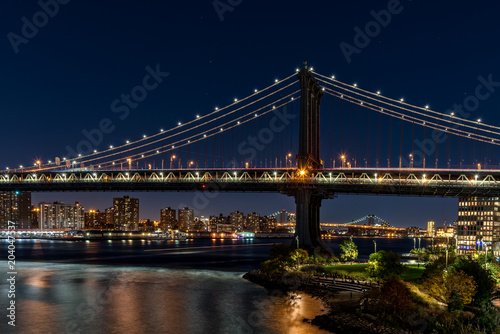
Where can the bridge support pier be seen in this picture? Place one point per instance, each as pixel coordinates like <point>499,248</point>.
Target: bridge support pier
<point>308,200</point>
<point>307,227</point>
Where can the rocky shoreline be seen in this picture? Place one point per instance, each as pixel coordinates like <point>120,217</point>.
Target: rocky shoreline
<point>342,316</point>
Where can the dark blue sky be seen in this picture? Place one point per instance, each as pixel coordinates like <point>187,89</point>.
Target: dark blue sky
<point>64,78</point>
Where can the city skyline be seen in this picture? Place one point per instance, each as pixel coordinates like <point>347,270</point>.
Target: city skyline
<point>230,166</point>
<point>72,84</point>
<point>380,207</point>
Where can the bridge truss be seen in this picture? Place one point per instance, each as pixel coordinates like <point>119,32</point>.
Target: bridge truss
<point>440,183</point>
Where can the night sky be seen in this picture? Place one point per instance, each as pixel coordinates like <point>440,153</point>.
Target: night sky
<point>62,79</point>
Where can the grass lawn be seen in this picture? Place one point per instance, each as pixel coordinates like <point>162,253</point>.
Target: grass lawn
<point>412,274</point>
<point>350,268</point>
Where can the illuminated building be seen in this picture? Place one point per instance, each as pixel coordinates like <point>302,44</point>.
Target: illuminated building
<point>413,231</point>
<point>200,225</point>
<point>15,206</point>
<point>430,228</point>
<point>269,224</point>
<point>126,213</point>
<point>146,225</point>
<point>167,219</point>
<point>445,232</point>
<point>478,224</point>
<point>236,219</point>
<point>110,218</point>
<point>215,223</point>
<point>59,215</point>
<point>282,218</point>
<point>186,219</point>
<point>34,216</point>
<point>251,223</point>
<point>95,219</point>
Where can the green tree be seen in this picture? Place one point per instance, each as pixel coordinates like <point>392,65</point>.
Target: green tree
<point>482,277</point>
<point>459,286</point>
<point>348,250</point>
<point>385,265</point>
<point>433,284</point>
<point>436,262</point>
<point>301,254</point>
<point>396,296</point>
<point>492,266</point>
<point>280,251</point>
<point>280,259</point>
<point>494,269</point>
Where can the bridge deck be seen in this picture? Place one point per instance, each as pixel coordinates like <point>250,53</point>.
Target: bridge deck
<point>416,182</point>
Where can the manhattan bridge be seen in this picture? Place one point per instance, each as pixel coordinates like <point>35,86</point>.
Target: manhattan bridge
<point>308,136</point>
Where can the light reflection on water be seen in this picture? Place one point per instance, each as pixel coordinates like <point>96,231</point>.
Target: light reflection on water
<point>71,298</point>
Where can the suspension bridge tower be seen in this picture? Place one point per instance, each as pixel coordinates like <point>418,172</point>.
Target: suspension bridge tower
<point>307,196</point>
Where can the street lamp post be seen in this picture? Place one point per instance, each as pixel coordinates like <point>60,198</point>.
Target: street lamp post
<point>297,250</point>
<point>486,256</point>
<point>446,256</point>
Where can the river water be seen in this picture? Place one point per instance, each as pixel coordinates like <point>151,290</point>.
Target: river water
<point>155,287</point>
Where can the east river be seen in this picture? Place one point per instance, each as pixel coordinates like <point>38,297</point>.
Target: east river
<point>192,286</point>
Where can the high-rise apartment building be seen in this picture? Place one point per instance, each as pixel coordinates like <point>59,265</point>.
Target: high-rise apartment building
<point>15,206</point>
<point>95,219</point>
<point>167,219</point>
<point>252,221</point>
<point>282,217</point>
<point>185,218</point>
<point>268,224</point>
<point>236,219</point>
<point>478,224</point>
<point>126,213</point>
<point>431,228</point>
<point>110,218</point>
<point>61,216</point>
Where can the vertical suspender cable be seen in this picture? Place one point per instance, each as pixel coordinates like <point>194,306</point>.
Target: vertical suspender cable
<point>379,140</point>
<point>423,147</point>
<point>401,145</point>
<point>389,145</point>
<point>412,141</point>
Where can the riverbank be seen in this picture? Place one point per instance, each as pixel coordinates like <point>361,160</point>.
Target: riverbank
<point>342,316</point>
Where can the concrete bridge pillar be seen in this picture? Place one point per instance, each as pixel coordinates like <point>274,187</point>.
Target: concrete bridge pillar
<point>308,200</point>
<point>308,218</point>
